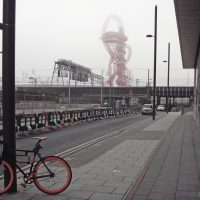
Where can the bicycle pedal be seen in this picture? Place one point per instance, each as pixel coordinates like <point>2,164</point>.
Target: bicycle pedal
<point>23,185</point>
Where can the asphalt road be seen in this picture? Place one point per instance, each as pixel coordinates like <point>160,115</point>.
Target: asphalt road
<point>63,139</point>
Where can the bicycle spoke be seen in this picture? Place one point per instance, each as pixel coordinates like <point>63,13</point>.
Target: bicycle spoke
<point>59,178</point>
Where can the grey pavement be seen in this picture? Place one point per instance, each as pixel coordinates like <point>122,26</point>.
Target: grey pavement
<point>158,160</point>
<point>174,171</point>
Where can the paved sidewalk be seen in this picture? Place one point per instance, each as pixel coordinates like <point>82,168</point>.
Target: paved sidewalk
<point>174,173</point>
<point>114,174</point>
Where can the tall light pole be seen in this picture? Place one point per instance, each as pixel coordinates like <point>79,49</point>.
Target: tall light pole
<point>43,102</point>
<point>113,97</point>
<point>69,89</point>
<point>137,82</point>
<point>110,91</point>
<point>168,61</point>
<point>102,87</point>
<point>154,70</point>
<point>148,86</point>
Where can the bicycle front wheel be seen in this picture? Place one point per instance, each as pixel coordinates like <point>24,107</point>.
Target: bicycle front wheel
<point>5,173</point>
<point>52,175</point>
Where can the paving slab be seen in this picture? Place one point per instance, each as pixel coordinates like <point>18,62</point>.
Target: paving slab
<point>177,164</point>
<point>163,124</point>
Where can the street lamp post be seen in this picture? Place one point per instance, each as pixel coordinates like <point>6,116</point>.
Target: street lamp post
<point>168,61</point>
<point>101,87</point>
<point>113,97</point>
<point>110,91</point>
<point>148,86</point>
<point>43,102</point>
<point>155,55</point>
<point>24,107</point>
<point>69,92</point>
<point>137,82</point>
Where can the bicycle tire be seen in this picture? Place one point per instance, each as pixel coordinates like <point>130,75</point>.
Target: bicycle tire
<point>59,181</point>
<point>5,168</point>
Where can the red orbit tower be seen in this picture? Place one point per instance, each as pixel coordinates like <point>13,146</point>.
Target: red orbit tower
<point>120,53</point>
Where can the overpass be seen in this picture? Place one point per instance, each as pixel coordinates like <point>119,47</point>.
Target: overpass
<point>175,92</point>
<point>93,94</point>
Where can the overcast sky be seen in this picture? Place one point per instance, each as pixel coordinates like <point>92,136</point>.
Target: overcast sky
<point>47,30</point>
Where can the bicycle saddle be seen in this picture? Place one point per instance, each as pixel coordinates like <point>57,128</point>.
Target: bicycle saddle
<point>39,138</point>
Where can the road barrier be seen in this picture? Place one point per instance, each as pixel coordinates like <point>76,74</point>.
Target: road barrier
<point>42,121</point>
<point>26,122</point>
<point>54,119</point>
<point>51,120</point>
<point>66,117</point>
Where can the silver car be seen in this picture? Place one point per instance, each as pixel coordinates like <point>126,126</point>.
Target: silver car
<point>161,108</point>
<point>147,109</point>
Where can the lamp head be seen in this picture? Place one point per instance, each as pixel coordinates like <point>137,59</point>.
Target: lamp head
<point>149,36</point>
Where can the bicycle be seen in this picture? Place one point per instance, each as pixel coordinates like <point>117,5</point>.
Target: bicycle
<point>50,174</point>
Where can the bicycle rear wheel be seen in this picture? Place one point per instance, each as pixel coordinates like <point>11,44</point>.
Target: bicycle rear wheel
<point>5,168</point>
<point>52,175</point>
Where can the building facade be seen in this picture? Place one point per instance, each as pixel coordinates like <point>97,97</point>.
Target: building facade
<point>188,23</point>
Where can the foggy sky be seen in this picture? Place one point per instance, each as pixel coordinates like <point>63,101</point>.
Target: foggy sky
<point>47,30</point>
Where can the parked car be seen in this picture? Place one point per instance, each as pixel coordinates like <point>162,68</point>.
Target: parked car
<point>161,108</point>
<point>147,109</point>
